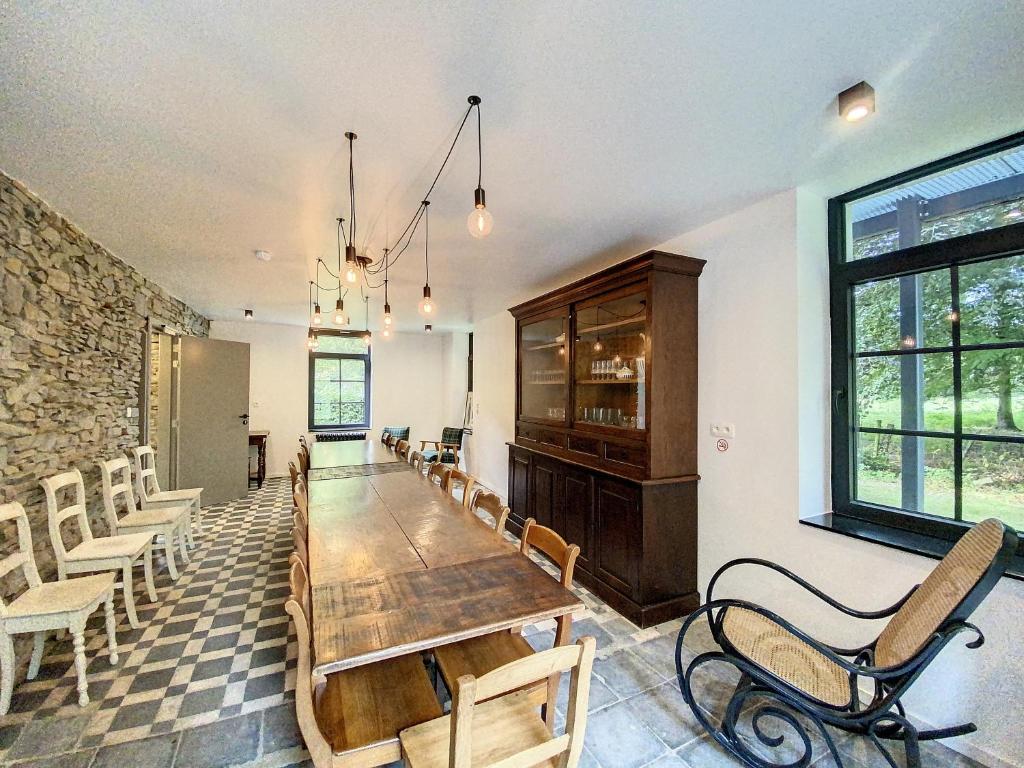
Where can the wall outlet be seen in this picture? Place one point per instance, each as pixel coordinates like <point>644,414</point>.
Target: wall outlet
<point>722,429</point>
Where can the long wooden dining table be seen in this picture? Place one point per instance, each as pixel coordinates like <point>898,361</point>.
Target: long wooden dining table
<point>349,453</point>
<point>398,566</point>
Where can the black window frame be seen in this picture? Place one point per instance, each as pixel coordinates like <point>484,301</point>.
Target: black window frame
<point>314,355</point>
<point>900,528</point>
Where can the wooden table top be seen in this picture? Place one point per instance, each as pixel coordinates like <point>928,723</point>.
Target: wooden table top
<point>398,566</point>
<point>349,453</point>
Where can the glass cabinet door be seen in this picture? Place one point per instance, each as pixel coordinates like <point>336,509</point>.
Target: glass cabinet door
<point>542,360</point>
<point>610,377</point>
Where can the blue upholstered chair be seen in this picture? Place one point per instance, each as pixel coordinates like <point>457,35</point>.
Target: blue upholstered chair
<point>397,433</point>
<point>446,450</point>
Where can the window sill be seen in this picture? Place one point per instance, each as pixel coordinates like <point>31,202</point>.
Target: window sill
<point>906,541</point>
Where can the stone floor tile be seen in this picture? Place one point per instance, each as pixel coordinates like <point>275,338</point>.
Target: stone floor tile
<point>705,753</point>
<point>617,739</point>
<point>660,653</point>
<point>280,728</point>
<point>223,743</point>
<point>154,752</point>
<point>68,760</point>
<point>668,761</point>
<point>664,711</point>
<point>626,673</point>
<point>49,736</point>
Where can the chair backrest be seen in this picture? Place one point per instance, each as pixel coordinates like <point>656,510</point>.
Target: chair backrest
<point>416,459</point>
<point>952,591</point>
<point>561,554</point>
<point>303,456</point>
<point>23,556</point>
<point>54,488</point>
<point>398,433</point>
<point>302,440</point>
<point>293,472</point>
<point>384,436</point>
<point>402,449</point>
<point>112,488</point>
<point>299,606</point>
<point>459,479</point>
<point>452,436</point>
<point>301,499</point>
<point>578,657</point>
<point>491,504</point>
<point>438,473</point>
<point>301,547</point>
<point>145,471</point>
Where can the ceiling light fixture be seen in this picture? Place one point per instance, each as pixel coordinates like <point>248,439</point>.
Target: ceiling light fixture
<point>248,314</point>
<point>311,341</point>
<point>353,262</point>
<point>857,102</point>
<point>387,307</point>
<point>428,328</point>
<point>366,320</point>
<point>316,318</point>
<point>262,255</point>
<point>480,221</point>
<point>427,307</point>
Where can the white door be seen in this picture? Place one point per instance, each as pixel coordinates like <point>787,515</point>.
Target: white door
<point>212,418</point>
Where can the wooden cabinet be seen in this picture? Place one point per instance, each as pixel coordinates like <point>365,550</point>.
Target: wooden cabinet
<point>606,436</point>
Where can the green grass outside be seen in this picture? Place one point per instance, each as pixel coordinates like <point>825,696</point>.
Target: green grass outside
<point>979,413</point>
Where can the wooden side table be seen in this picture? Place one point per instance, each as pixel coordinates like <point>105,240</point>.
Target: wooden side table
<point>259,439</point>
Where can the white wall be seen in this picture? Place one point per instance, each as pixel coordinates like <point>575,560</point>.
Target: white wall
<point>764,367</point>
<point>407,383</point>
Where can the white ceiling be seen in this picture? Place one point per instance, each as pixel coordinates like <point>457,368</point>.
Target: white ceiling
<point>184,135</point>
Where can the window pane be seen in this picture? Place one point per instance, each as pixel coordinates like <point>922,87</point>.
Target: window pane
<point>353,345</point>
<point>904,312</point>
<point>992,301</point>
<point>972,197</point>
<point>993,391</point>
<point>352,370</point>
<point>913,473</point>
<point>325,369</point>
<point>994,482</point>
<point>906,392</point>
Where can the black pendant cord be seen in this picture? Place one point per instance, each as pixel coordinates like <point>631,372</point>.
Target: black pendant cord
<point>416,216</point>
<point>479,149</point>
<point>351,191</point>
<point>322,263</point>
<point>387,262</point>
<point>426,243</point>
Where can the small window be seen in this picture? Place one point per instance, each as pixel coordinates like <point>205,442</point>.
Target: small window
<point>339,381</point>
<point>927,295</point>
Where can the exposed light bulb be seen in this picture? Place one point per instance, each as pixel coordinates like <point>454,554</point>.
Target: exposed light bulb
<point>561,350</point>
<point>312,342</point>
<point>480,221</point>
<point>317,319</point>
<point>340,318</point>
<point>366,338</point>
<point>386,333</point>
<point>598,346</point>
<point>351,275</point>
<point>387,314</point>
<point>427,307</point>
<point>617,360</point>
<point>856,102</point>
<point>859,112</point>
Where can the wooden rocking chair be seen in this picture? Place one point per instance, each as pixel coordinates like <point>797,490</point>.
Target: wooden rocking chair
<point>790,677</point>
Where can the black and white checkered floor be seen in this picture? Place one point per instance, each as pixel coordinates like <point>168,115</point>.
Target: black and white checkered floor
<point>208,679</point>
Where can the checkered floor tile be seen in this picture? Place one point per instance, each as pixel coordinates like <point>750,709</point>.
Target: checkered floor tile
<point>214,645</point>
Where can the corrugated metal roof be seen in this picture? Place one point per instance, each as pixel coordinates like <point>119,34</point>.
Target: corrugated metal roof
<point>1002,166</point>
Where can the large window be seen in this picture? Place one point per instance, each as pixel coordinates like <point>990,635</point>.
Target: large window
<point>339,381</point>
<point>927,295</point>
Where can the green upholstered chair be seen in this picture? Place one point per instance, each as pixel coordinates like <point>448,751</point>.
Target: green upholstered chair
<point>446,450</point>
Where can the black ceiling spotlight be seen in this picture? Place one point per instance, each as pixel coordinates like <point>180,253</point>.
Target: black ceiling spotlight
<point>480,221</point>
<point>248,314</point>
<point>428,328</point>
<point>857,102</point>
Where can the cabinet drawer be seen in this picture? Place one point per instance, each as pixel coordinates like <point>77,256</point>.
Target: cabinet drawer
<point>587,445</point>
<point>635,456</point>
<point>541,435</point>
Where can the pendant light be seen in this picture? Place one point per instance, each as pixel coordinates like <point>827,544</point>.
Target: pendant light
<point>366,321</point>
<point>480,221</point>
<point>312,342</point>
<point>316,318</point>
<point>427,306</point>
<point>340,318</point>
<point>428,328</point>
<point>353,262</point>
<point>387,306</point>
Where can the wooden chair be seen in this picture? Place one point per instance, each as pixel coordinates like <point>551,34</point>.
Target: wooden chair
<point>48,606</point>
<point>384,436</point>
<point>416,459</point>
<point>480,655</point>
<point>170,523</point>
<point>458,479</point>
<point>303,457</point>
<point>491,504</point>
<point>490,725</point>
<point>397,433</point>
<point>391,442</point>
<point>301,500</point>
<point>293,472</point>
<point>351,719</point>
<point>446,450</point>
<point>438,473</point>
<point>107,553</point>
<point>785,674</point>
<point>301,547</point>
<point>402,449</point>
<point>150,494</point>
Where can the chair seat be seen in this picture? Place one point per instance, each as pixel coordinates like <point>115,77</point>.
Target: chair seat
<point>68,596</point>
<point>104,547</point>
<point>182,494</point>
<point>446,458</point>
<point>768,645</point>
<point>153,517</point>
<point>502,727</point>
<point>369,705</point>
<point>479,655</point>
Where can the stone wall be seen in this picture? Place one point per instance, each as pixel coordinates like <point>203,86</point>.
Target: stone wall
<point>72,330</point>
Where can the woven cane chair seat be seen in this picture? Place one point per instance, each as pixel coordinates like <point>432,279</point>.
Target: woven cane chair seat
<point>939,594</point>
<point>769,646</point>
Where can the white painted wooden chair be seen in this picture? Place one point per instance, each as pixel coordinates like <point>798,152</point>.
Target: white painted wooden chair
<point>150,494</point>
<point>169,523</point>
<point>47,606</point>
<point>105,553</point>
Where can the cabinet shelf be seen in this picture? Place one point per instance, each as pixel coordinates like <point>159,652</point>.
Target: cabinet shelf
<point>633,380</point>
<point>547,383</point>
<point>595,329</point>
<point>549,345</point>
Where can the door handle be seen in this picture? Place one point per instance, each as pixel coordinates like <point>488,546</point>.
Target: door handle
<point>245,418</point>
